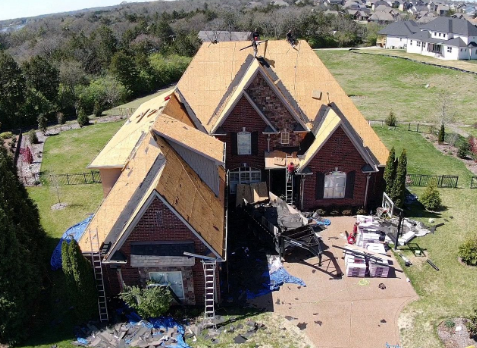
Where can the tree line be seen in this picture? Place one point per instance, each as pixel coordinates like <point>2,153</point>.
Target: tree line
<point>90,61</point>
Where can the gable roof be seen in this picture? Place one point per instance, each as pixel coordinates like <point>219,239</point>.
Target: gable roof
<point>451,25</point>
<point>327,126</point>
<point>116,152</point>
<point>156,170</point>
<point>403,28</point>
<point>191,138</point>
<point>211,79</point>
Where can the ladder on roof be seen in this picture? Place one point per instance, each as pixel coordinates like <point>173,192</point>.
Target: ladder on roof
<point>210,292</point>
<point>288,182</point>
<point>98,275</point>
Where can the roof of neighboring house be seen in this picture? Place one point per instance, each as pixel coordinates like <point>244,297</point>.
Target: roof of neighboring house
<point>456,42</point>
<point>381,3</point>
<point>208,36</point>
<point>116,152</point>
<point>191,138</point>
<point>155,170</point>
<point>424,36</point>
<point>383,8</point>
<point>451,25</point>
<point>213,77</point>
<point>381,16</point>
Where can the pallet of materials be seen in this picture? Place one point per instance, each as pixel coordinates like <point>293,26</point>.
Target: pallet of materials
<point>355,269</point>
<point>378,270</point>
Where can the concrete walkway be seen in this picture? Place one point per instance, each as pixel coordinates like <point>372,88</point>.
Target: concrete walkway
<point>341,312</point>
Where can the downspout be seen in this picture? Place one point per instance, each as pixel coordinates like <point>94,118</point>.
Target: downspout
<point>366,191</point>
<point>268,143</point>
<point>302,191</point>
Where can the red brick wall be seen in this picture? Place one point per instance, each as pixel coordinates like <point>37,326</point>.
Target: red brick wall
<point>244,115</point>
<point>169,228</point>
<point>275,111</point>
<point>338,152</point>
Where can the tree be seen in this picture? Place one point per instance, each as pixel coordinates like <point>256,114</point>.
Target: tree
<point>150,302</point>
<point>12,89</point>
<point>42,76</point>
<point>42,123</point>
<point>391,119</point>
<point>464,148</point>
<point>441,135</point>
<point>431,198</point>
<point>22,245</point>
<point>80,282</point>
<point>83,119</point>
<point>124,69</point>
<point>399,185</point>
<point>390,171</point>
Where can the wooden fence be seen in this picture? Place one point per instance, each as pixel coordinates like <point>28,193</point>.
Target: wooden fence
<point>92,177</point>
<point>473,182</point>
<point>441,180</point>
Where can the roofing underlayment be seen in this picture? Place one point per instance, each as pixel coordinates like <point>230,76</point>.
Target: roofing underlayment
<point>217,70</point>
<point>116,152</point>
<point>156,170</point>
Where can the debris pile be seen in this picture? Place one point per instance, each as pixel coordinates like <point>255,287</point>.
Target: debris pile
<point>160,332</point>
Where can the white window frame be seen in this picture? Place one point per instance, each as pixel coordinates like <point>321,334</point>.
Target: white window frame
<point>449,49</point>
<point>244,143</point>
<point>161,279</point>
<point>285,137</point>
<point>335,185</point>
<point>244,175</point>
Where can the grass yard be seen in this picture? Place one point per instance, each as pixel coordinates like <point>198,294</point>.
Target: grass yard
<point>73,150</point>
<point>378,84</point>
<point>449,292</point>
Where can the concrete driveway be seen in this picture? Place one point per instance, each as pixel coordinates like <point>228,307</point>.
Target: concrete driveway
<point>340,312</point>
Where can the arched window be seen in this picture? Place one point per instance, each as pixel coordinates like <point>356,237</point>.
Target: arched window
<point>335,185</point>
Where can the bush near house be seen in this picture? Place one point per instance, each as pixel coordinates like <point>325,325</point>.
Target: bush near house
<point>150,302</point>
<point>472,324</point>
<point>82,119</point>
<point>442,134</point>
<point>390,170</point>
<point>431,198</point>
<point>32,137</point>
<point>391,120</point>
<point>468,251</point>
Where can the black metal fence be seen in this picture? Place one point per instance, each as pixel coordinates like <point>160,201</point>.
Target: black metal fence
<point>92,177</point>
<point>473,182</point>
<point>440,180</point>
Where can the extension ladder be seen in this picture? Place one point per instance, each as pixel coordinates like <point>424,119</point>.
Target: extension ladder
<point>210,290</point>
<point>98,275</point>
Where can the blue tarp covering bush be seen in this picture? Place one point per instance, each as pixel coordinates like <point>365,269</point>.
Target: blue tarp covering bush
<point>75,232</point>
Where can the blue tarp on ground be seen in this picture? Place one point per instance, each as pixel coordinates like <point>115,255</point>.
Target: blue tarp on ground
<point>75,232</point>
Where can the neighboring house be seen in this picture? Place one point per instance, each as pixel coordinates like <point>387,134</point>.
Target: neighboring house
<point>231,119</point>
<point>220,36</point>
<point>395,34</point>
<point>376,5</point>
<point>426,18</point>
<point>442,10</point>
<point>382,17</point>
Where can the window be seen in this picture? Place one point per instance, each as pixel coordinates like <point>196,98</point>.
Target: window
<point>244,143</point>
<point>172,279</point>
<point>410,43</point>
<point>444,35</point>
<point>440,34</point>
<point>285,137</point>
<point>335,185</point>
<point>243,176</point>
<point>418,43</point>
<point>449,49</point>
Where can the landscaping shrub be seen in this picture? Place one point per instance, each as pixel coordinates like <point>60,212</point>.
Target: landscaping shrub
<point>6,135</point>
<point>398,191</point>
<point>32,137</point>
<point>390,171</point>
<point>463,149</point>
<point>449,323</point>
<point>468,251</point>
<point>321,212</point>
<point>441,135</point>
<point>149,302</point>
<point>361,211</point>
<point>431,198</point>
<point>42,123</point>
<point>347,212</point>
<point>391,119</point>
<point>472,324</point>
<point>61,118</point>
<point>82,119</point>
<point>98,109</point>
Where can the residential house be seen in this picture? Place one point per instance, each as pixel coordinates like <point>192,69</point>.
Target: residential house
<point>382,17</point>
<point>376,4</point>
<point>445,38</point>
<point>395,34</point>
<point>426,18</point>
<point>442,10</point>
<point>234,117</point>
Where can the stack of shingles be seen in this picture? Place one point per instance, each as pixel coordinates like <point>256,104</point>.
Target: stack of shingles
<point>122,335</point>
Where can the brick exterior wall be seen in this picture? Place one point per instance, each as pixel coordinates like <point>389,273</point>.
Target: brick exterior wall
<point>167,227</point>
<point>339,152</point>
<point>244,115</point>
<point>275,111</point>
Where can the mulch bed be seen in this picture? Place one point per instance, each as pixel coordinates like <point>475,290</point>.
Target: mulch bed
<point>453,333</point>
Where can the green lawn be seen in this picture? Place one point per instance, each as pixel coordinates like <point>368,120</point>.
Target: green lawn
<point>378,84</point>
<point>73,150</point>
<point>450,292</point>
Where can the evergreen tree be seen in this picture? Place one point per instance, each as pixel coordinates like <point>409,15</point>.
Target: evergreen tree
<point>441,135</point>
<point>390,170</point>
<point>22,243</point>
<point>42,123</point>
<point>79,281</point>
<point>12,91</point>
<point>399,186</point>
<point>83,119</point>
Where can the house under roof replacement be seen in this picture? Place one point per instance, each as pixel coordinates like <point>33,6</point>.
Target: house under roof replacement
<point>234,118</point>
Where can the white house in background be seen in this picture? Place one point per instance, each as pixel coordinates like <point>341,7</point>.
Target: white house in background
<point>395,34</point>
<point>445,38</point>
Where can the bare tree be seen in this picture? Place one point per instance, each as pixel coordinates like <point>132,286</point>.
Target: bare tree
<point>445,108</point>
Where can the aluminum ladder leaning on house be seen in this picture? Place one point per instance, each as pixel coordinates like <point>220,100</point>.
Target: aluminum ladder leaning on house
<point>288,184</point>
<point>210,291</point>
<point>98,275</point>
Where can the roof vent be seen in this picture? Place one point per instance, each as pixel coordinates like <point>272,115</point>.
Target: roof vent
<point>316,94</point>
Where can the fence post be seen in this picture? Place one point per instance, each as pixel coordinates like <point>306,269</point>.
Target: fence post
<point>84,175</point>
<point>67,179</point>
<point>409,126</point>
<point>439,181</point>
<point>418,127</point>
<point>456,180</point>
<point>420,177</point>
